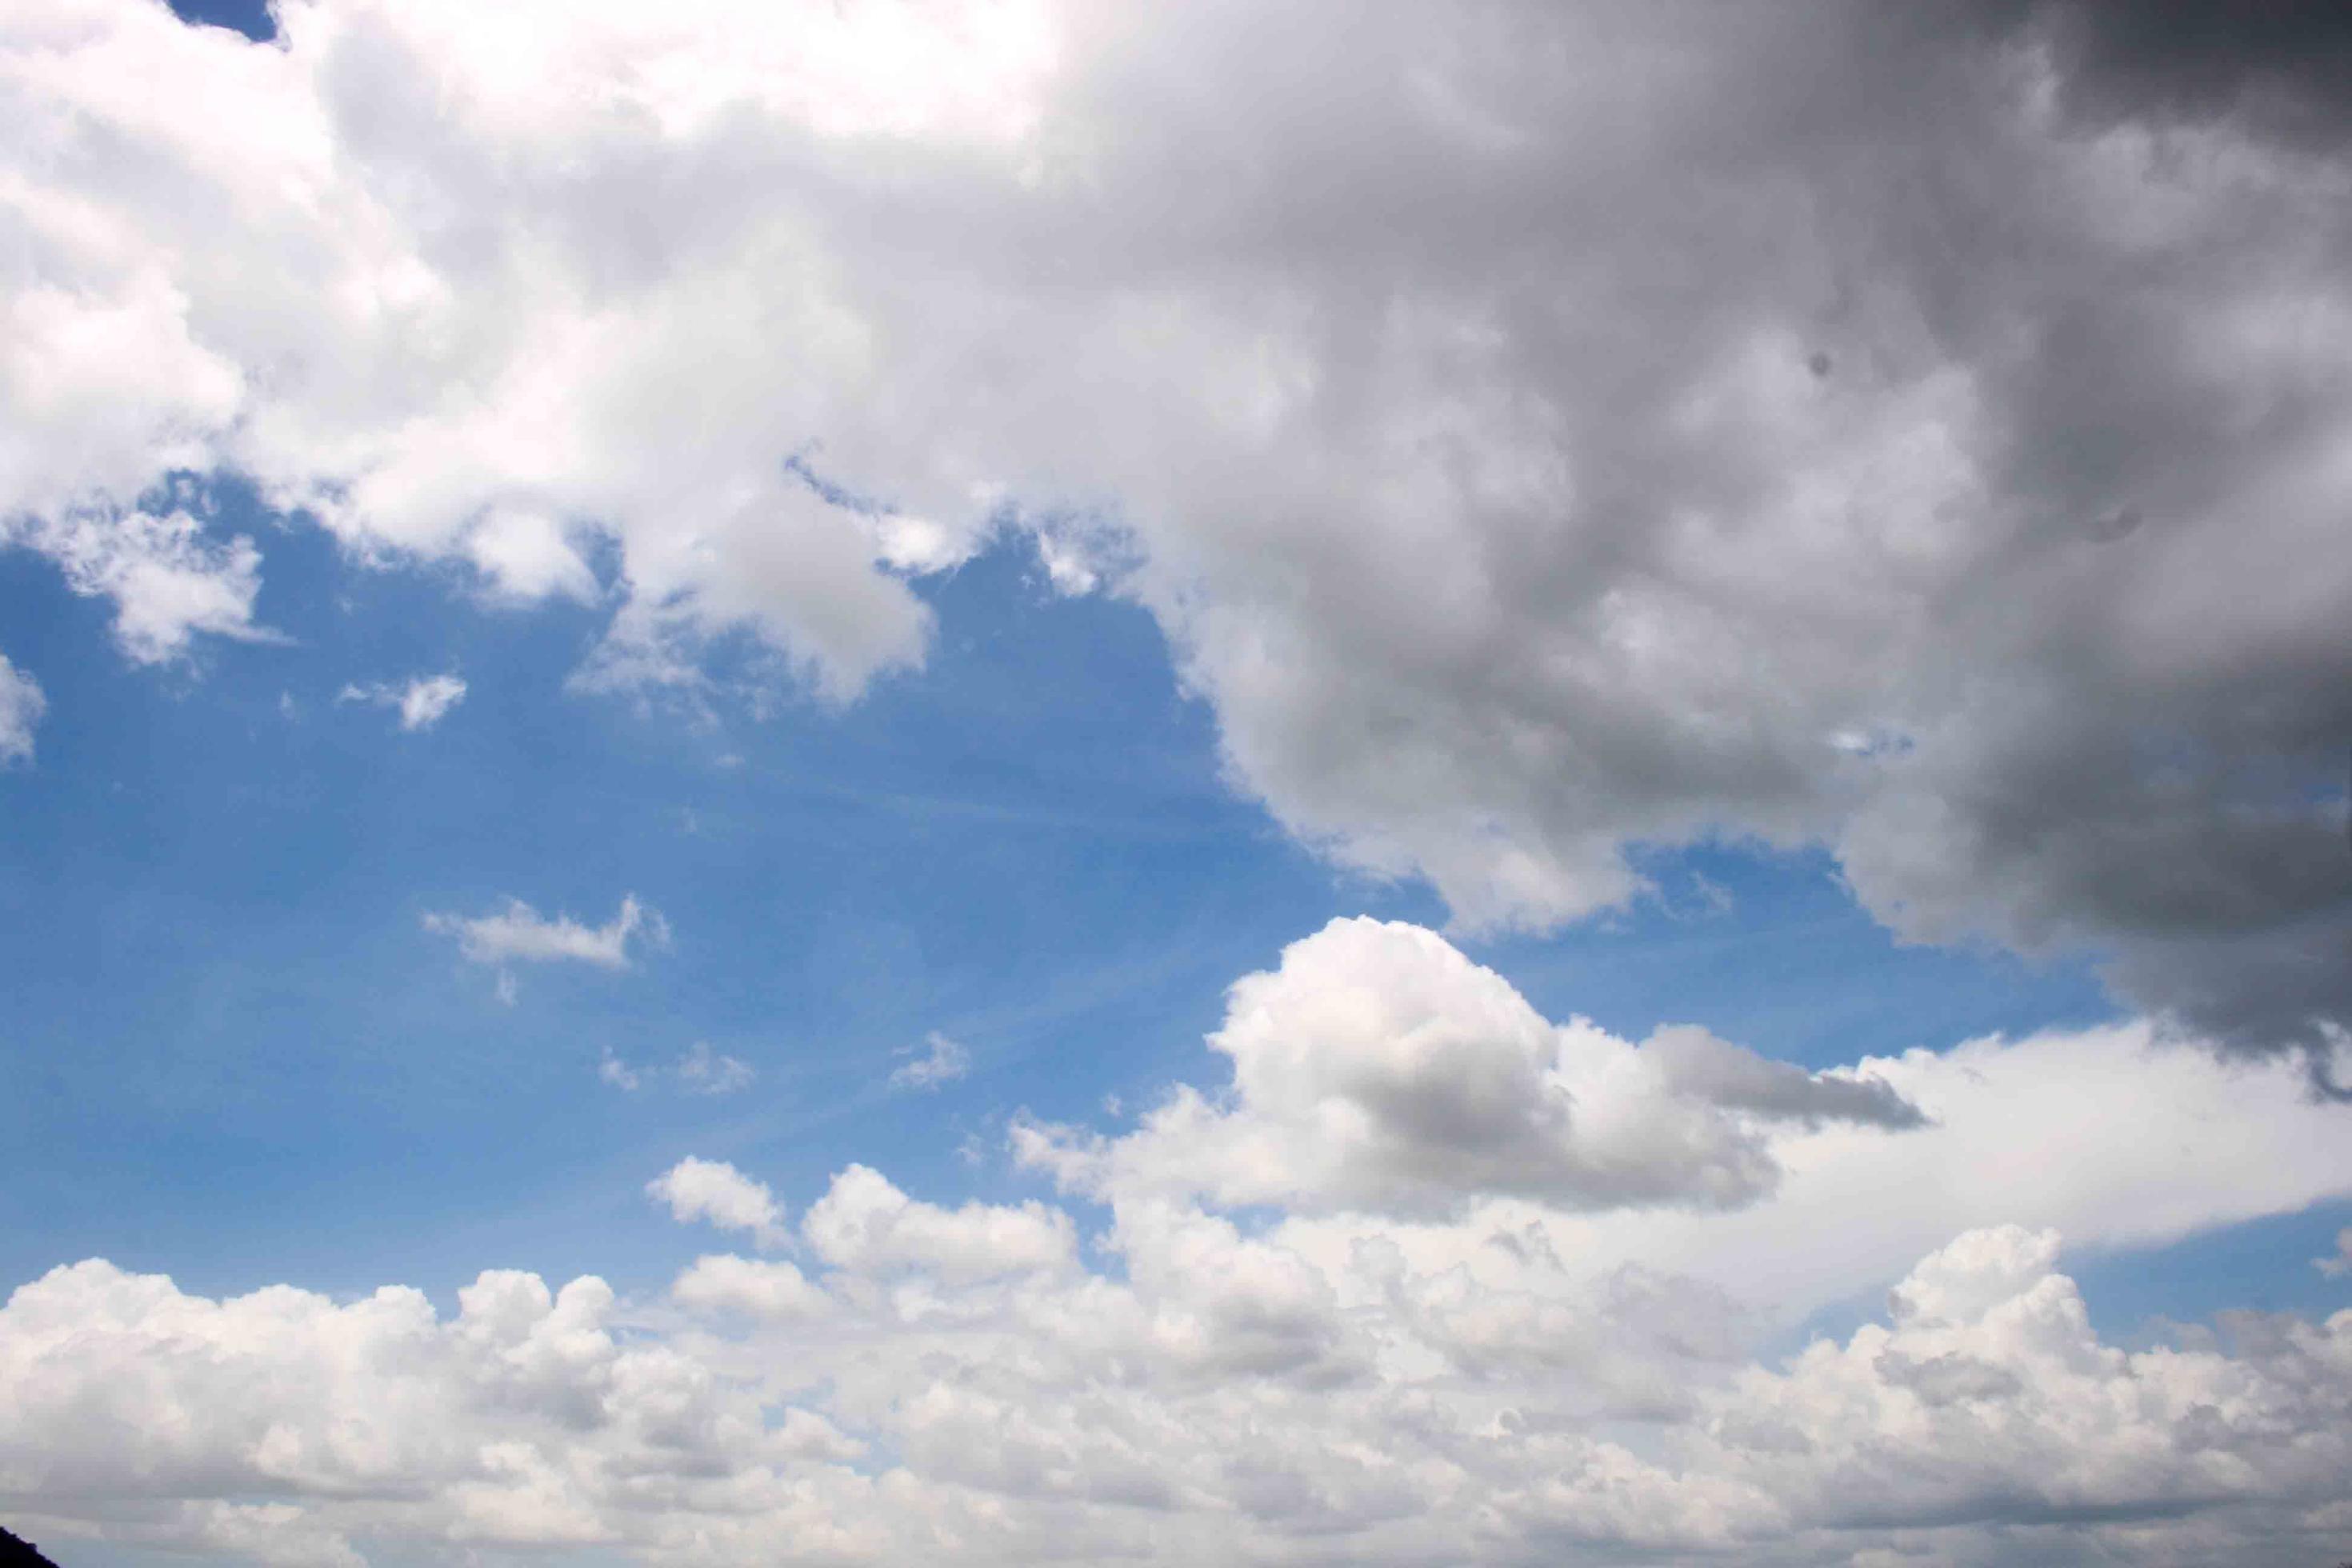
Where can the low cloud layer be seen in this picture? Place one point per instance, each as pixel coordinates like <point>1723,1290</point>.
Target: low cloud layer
<point>1558,1344</point>
<point>1543,431</point>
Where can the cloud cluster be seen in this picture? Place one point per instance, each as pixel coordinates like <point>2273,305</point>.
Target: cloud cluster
<point>1542,430</point>
<point>1240,1358</point>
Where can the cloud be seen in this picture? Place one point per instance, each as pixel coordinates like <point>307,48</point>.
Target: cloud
<point>702,1070</point>
<point>944,1061</point>
<point>1246,1360</point>
<point>21,705</point>
<point>697,1070</point>
<point>168,578</point>
<point>2339,1266</point>
<point>521,934</point>
<point>717,1193</point>
<point>1378,1068</point>
<point>1541,432</point>
<point>422,702</point>
<point>865,1225</point>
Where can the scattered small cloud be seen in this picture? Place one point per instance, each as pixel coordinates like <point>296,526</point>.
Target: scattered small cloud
<point>420,703</point>
<point>942,1060</point>
<point>21,707</point>
<point>698,1070</point>
<point>519,933</point>
<point>705,1071</point>
<point>2340,1266</point>
<point>717,1194</point>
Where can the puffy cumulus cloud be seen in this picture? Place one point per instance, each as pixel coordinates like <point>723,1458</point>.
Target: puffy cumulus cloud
<point>1217,1398</point>
<point>1540,429</point>
<point>864,1223</point>
<point>421,703</point>
<point>21,704</point>
<point>716,1192</point>
<point>1244,1363</point>
<point>520,933</point>
<point>1378,1068</point>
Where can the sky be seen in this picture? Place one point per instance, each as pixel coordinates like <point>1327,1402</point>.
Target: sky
<point>921,782</point>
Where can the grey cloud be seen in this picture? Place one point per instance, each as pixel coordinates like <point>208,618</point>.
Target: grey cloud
<point>1542,430</point>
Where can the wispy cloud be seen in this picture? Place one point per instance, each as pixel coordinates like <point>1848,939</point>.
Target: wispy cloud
<point>942,1060</point>
<point>420,703</point>
<point>700,1071</point>
<point>21,707</point>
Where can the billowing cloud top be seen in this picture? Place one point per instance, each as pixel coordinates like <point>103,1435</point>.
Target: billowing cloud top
<point>1377,1068</point>
<point>1541,429</point>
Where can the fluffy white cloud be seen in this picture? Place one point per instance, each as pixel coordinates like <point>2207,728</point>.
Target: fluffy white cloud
<point>1540,429</point>
<point>520,933</point>
<point>21,704</point>
<point>2339,1266</point>
<point>942,1060</point>
<point>1378,1068</point>
<point>421,703</point>
<point>1247,1364</point>
<point>865,1225</point>
<point>716,1192</point>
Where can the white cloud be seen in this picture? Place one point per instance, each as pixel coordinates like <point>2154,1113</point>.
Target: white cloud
<point>1247,1364</point>
<point>612,1070</point>
<point>2339,1266</point>
<point>422,701</point>
<point>865,1225</point>
<point>717,1193</point>
<point>942,1060</point>
<point>168,580</point>
<point>21,705</point>
<point>702,1070</point>
<point>1783,501</point>
<point>1378,1068</point>
<point>520,933</point>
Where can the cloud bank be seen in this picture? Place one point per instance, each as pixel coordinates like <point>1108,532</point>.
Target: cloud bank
<point>1233,1355</point>
<point>1543,432</point>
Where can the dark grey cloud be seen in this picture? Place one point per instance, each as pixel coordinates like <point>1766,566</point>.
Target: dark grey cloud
<point>2283,66</point>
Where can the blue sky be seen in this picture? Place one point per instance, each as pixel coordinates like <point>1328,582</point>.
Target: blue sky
<point>1081,751</point>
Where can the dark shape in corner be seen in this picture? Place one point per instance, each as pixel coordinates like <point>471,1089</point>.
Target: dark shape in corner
<point>15,1551</point>
<point>2117,524</point>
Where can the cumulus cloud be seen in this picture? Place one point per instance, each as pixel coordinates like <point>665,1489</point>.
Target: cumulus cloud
<point>1541,430</point>
<point>942,1060</point>
<point>1533,1358</point>
<point>717,1193</point>
<point>421,703</point>
<point>21,704</point>
<point>520,933</point>
<point>1378,1068</point>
